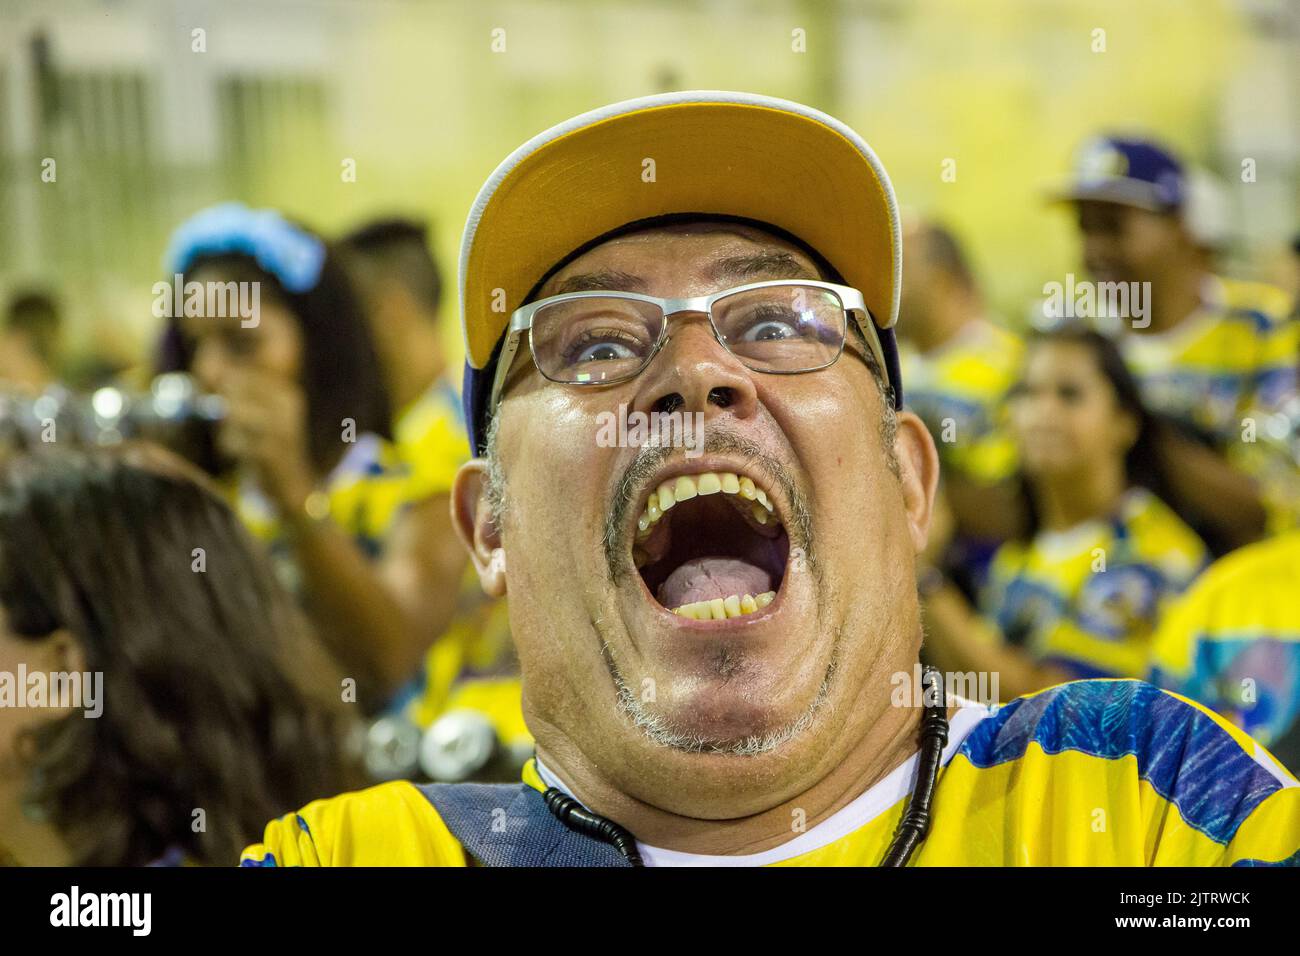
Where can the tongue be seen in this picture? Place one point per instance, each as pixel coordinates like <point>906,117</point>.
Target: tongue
<point>703,579</point>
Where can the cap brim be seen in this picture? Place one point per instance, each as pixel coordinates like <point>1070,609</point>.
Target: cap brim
<point>729,154</point>
<point>1123,192</point>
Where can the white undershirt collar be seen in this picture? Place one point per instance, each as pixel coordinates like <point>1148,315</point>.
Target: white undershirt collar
<point>861,811</point>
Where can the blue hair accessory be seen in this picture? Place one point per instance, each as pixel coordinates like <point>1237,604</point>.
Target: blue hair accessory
<point>295,257</point>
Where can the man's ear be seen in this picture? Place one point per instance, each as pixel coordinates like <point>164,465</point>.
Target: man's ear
<point>471,516</point>
<point>918,466</point>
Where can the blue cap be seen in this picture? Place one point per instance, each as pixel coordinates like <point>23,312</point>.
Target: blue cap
<point>1131,172</point>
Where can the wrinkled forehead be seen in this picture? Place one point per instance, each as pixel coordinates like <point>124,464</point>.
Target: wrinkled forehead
<point>685,258</point>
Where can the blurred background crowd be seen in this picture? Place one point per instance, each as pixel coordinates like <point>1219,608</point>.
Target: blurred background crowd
<point>241,519</point>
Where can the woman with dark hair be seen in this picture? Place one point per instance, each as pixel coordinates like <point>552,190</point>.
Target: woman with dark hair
<point>1078,592</point>
<point>270,323</point>
<point>193,704</point>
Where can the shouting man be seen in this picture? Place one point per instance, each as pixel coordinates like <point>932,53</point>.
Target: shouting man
<point>720,651</point>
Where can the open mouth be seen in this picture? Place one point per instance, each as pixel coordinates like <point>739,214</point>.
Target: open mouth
<point>711,546</point>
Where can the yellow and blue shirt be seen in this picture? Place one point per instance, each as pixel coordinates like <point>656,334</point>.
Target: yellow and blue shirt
<point>1088,599</point>
<point>430,438</point>
<point>471,665</point>
<point>1237,353</point>
<point>1226,373</point>
<point>1091,773</point>
<point>1233,641</point>
<point>366,490</point>
<point>959,390</point>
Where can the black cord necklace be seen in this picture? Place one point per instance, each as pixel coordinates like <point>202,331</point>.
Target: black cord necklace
<point>912,828</point>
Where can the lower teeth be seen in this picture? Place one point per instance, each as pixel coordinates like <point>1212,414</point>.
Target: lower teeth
<point>721,608</point>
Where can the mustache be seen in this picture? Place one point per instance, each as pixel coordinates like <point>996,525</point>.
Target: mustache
<point>649,459</point>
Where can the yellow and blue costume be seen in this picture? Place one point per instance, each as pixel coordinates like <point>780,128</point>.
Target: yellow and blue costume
<point>1236,353</point>
<point>1088,599</point>
<point>471,665</point>
<point>959,390</point>
<point>1233,641</point>
<point>366,492</point>
<point>1091,773</point>
<point>1223,373</point>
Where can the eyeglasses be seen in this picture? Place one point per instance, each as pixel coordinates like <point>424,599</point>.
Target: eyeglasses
<point>783,327</point>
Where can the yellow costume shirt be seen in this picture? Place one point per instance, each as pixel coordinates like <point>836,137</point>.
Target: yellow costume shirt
<point>1091,773</point>
<point>1226,373</point>
<point>1233,641</point>
<point>471,665</point>
<point>1088,599</point>
<point>959,391</point>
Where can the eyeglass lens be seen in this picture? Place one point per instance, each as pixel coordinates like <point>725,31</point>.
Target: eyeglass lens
<point>594,339</point>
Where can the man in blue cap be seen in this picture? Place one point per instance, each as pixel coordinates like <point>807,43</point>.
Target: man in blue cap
<point>1213,355</point>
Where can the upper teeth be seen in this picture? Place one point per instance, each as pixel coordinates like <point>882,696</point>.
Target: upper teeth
<point>686,487</point>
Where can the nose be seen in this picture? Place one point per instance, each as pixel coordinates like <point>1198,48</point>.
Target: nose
<point>209,364</point>
<point>693,373</point>
<point>1098,248</point>
<point>1039,409</point>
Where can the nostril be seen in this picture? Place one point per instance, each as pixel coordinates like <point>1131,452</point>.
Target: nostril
<point>669,403</point>
<point>722,397</point>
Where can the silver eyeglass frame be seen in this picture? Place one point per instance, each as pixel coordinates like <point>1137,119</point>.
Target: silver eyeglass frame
<point>521,321</point>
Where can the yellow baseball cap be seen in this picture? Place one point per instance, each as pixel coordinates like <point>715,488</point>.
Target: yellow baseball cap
<point>705,152</point>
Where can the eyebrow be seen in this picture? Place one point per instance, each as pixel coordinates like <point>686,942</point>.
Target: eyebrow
<point>602,281</point>
<point>761,265</point>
